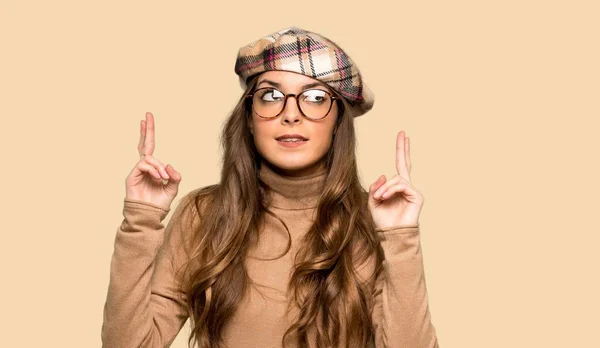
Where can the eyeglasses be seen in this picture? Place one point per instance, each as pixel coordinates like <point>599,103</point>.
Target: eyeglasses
<point>269,102</point>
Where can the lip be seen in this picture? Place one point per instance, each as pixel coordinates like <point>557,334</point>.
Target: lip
<point>291,144</point>
<point>291,136</point>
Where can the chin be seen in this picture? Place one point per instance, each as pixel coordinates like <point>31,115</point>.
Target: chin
<point>298,164</point>
<point>290,164</point>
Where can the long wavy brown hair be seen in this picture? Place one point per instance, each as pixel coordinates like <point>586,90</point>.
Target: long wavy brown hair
<point>332,299</point>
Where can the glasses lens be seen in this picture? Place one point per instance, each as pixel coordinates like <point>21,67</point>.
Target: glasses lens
<point>268,102</point>
<point>314,103</point>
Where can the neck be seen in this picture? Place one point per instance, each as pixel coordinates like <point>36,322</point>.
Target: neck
<point>293,191</point>
<point>318,167</point>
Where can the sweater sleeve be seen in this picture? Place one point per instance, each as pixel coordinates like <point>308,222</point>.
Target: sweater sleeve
<point>401,314</point>
<point>144,306</point>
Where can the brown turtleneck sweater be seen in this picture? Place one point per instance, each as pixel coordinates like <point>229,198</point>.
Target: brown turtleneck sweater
<point>144,308</point>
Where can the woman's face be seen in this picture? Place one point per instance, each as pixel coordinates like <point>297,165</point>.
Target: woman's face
<point>304,157</point>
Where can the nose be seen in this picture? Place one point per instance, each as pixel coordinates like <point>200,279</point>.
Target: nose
<point>291,113</point>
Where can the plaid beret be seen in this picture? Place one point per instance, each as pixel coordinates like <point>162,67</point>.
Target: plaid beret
<point>307,53</point>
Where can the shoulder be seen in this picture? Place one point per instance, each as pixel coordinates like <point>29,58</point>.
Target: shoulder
<point>195,201</point>
<point>185,223</point>
<point>190,208</point>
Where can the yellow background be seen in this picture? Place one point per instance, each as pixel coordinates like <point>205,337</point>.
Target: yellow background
<point>500,100</point>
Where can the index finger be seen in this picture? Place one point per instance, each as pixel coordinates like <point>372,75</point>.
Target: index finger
<point>401,156</point>
<point>148,146</point>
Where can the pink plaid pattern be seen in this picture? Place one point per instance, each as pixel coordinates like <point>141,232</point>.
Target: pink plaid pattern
<point>308,53</point>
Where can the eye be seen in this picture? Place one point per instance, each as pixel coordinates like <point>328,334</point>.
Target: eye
<point>316,96</point>
<point>271,95</point>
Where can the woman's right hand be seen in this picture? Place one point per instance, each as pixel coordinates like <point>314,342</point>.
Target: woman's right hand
<point>145,182</point>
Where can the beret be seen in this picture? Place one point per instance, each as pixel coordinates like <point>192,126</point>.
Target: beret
<point>307,53</point>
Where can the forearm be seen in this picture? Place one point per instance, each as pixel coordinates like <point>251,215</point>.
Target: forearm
<point>403,317</point>
<point>138,312</point>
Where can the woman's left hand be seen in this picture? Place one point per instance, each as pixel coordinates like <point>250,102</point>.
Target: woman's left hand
<point>396,201</point>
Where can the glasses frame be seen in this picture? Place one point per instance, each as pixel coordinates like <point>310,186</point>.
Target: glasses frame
<point>250,98</point>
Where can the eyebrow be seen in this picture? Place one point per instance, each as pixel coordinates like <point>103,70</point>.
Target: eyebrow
<point>278,85</point>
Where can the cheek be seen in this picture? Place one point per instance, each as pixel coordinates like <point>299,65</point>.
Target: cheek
<point>321,141</point>
<point>264,139</point>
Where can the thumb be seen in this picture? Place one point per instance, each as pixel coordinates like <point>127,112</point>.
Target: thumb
<point>174,178</point>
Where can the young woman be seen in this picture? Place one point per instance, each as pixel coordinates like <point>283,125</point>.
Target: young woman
<point>288,249</point>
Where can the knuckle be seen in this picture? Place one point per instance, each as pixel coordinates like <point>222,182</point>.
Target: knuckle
<point>149,159</point>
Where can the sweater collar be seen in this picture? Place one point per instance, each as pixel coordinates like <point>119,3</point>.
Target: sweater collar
<point>293,192</point>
